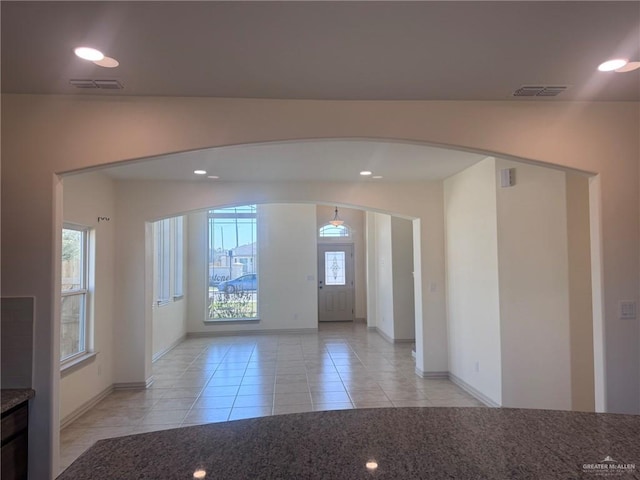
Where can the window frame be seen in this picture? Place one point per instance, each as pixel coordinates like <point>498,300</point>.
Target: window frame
<point>83,292</point>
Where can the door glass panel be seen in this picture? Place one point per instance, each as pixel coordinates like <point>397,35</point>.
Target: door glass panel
<point>334,268</point>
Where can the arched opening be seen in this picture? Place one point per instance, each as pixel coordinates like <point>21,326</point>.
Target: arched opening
<point>420,202</point>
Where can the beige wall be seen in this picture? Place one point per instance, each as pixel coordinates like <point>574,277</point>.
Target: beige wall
<point>75,132</point>
<point>87,197</point>
<point>473,291</point>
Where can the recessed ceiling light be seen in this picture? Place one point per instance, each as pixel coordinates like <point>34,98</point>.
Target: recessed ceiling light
<point>213,177</point>
<point>377,177</point>
<point>611,65</point>
<point>365,173</point>
<point>107,62</point>
<point>199,474</point>
<point>371,465</point>
<point>200,172</point>
<point>87,53</point>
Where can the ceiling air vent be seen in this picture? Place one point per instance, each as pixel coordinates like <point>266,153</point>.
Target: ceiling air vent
<point>539,90</point>
<point>82,83</point>
<point>109,84</point>
<point>102,84</point>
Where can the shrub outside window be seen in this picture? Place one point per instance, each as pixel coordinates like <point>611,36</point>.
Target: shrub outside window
<point>73,312</point>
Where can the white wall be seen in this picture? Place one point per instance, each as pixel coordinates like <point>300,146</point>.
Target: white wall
<point>534,288</point>
<point>404,316</point>
<point>170,319</point>
<point>287,271</point>
<point>390,288</point>
<point>372,276</point>
<point>473,307</point>
<point>383,294</point>
<point>76,132</point>
<point>87,197</point>
<point>355,219</point>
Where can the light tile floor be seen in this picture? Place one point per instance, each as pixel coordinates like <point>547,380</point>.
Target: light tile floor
<point>217,379</point>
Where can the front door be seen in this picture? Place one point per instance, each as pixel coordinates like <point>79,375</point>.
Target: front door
<point>335,283</point>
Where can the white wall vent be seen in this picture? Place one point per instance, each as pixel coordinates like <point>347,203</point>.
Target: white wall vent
<point>539,90</point>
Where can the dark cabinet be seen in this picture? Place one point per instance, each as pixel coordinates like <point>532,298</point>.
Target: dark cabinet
<point>15,442</point>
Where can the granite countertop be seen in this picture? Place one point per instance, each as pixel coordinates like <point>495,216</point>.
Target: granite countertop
<point>12,397</point>
<point>402,443</point>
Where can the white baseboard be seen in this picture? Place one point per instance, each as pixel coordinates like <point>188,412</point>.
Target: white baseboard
<point>85,407</point>
<point>166,350</point>
<point>230,333</point>
<point>133,385</point>
<point>472,391</point>
<point>435,375</point>
<point>388,338</point>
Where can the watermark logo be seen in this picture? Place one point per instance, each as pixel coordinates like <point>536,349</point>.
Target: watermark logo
<point>609,467</point>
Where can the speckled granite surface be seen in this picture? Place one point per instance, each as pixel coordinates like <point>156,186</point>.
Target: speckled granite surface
<point>15,396</point>
<point>406,443</point>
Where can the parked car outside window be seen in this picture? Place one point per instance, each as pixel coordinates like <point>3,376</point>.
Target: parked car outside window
<point>240,284</point>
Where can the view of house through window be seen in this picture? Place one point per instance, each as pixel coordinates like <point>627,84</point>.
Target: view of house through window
<point>73,311</point>
<point>232,279</point>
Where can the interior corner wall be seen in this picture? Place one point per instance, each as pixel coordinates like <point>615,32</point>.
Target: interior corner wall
<point>355,219</point>
<point>404,323</point>
<point>287,271</point>
<point>580,297</point>
<point>87,197</point>
<point>473,296</point>
<point>169,321</point>
<point>534,288</point>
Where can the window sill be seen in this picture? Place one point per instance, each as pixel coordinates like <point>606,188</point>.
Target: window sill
<point>177,297</point>
<point>76,363</point>
<point>232,320</point>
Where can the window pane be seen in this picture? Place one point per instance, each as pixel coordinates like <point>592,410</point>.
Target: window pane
<point>72,338</point>
<point>163,259</point>
<point>178,258</point>
<point>233,249</point>
<point>334,231</point>
<point>72,261</point>
<point>334,273</point>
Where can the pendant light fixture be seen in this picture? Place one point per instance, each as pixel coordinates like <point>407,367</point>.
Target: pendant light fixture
<point>336,222</point>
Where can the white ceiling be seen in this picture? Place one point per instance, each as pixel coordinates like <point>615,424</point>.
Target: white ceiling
<point>325,50</point>
<point>326,160</point>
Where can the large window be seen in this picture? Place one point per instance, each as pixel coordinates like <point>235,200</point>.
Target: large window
<point>74,329</point>
<point>168,246</point>
<point>178,258</point>
<point>232,264</point>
